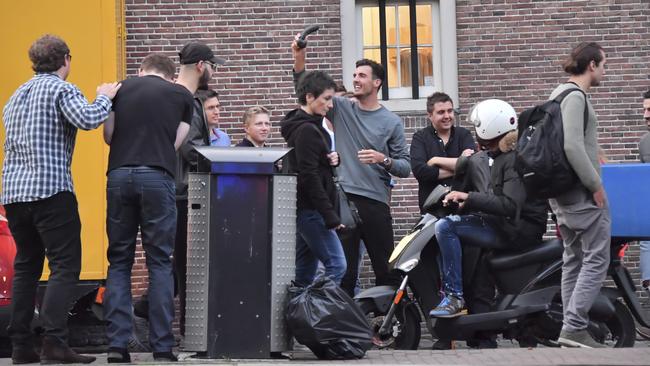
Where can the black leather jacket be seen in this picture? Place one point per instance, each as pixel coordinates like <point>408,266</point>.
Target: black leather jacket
<point>187,157</point>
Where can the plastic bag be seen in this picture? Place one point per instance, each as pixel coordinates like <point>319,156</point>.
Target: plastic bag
<point>325,319</point>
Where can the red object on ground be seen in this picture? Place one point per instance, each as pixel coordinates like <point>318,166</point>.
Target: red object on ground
<point>7,255</point>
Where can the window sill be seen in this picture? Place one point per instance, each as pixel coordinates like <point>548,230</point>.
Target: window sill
<point>405,105</point>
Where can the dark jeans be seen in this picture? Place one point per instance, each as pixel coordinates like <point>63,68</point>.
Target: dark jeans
<point>450,232</point>
<point>140,197</point>
<point>377,234</point>
<point>46,228</point>
<point>315,242</point>
<point>180,258</point>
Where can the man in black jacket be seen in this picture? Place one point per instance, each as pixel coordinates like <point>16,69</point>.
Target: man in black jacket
<point>502,217</point>
<point>435,148</point>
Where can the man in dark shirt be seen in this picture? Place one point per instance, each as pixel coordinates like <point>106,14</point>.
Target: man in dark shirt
<point>148,123</point>
<point>435,149</point>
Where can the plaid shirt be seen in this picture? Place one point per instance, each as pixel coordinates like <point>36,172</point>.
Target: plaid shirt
<point>41,121</point>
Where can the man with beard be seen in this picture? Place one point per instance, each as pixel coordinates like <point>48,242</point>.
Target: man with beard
<point>198,65</point>
<point>582,212</point>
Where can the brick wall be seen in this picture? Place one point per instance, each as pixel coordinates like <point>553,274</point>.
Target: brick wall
<point>506,49</point>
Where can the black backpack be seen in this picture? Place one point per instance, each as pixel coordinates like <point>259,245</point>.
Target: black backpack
<point>540,159</point>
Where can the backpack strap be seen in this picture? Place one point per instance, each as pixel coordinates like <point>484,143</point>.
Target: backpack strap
<point>561,97</point>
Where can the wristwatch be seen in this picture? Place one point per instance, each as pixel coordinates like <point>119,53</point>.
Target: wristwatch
<point>386,162</point>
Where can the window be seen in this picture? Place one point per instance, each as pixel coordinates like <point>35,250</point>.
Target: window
<point>400,44</point>
<point>389,32</point>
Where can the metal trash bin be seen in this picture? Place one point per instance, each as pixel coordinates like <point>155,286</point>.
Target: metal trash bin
<point>240,253</point>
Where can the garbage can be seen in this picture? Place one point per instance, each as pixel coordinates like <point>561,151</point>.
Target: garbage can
<point>240,253</point>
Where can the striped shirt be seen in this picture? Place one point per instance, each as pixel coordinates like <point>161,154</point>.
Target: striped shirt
<point>41,121</point>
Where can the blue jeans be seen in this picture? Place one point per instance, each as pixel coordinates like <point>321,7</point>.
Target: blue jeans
<point>450,231</point>
<point>140,197</point>
<point>315,242</point>
<point>644,261</point>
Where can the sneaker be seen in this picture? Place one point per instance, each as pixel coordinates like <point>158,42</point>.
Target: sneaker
<point>581,339</point>
<point>450,307</point>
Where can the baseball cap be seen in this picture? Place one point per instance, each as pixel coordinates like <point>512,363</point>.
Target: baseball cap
<point>194,52</point>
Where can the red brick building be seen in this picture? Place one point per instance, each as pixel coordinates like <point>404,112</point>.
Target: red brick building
<point>471,49</point>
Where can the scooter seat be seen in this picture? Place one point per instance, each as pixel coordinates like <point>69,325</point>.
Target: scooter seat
<point>548,249</point>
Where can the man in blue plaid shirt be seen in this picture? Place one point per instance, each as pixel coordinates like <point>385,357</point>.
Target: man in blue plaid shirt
<point>41,121</point>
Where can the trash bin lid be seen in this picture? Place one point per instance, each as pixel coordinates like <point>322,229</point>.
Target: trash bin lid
<point>217,154</point>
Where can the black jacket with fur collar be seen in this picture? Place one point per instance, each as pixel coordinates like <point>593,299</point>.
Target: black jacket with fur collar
<point>519,220</point>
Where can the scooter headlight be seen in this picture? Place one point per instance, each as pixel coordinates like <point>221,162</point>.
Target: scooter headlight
<point>408,265</point>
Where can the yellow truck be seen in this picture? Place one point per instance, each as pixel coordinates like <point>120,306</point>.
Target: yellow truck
<point>94,31</point>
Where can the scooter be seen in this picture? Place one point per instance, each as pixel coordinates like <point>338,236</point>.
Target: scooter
<point>528,306</point>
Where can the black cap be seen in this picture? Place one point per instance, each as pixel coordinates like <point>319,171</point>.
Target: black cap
<point>194,52</point>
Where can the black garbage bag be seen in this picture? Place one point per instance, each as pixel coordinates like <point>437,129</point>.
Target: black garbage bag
<point>325,319</point>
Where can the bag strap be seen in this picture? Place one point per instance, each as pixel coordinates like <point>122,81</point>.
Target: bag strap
<point>562,95</point>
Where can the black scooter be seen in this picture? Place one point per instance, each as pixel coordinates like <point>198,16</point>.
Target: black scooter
<point>528,306</point>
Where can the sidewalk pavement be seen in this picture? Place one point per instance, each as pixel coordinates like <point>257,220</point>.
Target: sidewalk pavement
<point>512,356</point>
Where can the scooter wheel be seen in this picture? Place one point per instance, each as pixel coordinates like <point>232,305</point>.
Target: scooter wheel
<point>405,329</point>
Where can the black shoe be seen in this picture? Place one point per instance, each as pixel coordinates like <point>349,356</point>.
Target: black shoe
<point>55,351</point>
<point>482,343</point>
<point>24,354</point>
<point>118,355</point>
<point>164,357</point>
<point>441,345</point>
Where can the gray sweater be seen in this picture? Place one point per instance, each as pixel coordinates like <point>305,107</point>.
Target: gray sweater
<point>380,130</point>
<point>580,143</point>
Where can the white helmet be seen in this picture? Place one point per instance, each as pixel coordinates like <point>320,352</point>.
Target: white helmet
<point>493,118</point>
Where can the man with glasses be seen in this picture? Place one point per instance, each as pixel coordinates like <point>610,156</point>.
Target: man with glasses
<point>198,65</point>
<point>41,121</point>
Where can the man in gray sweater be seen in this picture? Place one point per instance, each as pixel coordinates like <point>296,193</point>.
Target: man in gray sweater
<point>370,141</point>
<point>582,212</point>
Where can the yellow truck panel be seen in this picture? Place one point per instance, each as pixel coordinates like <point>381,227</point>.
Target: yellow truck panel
<point>93,29</point>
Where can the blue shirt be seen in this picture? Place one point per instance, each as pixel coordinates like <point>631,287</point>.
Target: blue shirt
<point>41,121</point>
<point>219,138</point>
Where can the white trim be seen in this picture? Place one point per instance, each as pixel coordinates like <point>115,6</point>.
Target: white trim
<point>449,60</point>
<point>349,34</point>
<point>405,105</point>
<point>445,64</point>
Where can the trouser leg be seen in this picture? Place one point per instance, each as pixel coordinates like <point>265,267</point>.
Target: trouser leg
<point>28,267</point>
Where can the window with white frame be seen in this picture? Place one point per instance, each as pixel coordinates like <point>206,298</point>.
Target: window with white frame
<point>400,44</point>
<point>390,32</point>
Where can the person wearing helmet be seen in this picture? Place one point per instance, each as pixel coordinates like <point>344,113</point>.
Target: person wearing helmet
<point>499,218</point>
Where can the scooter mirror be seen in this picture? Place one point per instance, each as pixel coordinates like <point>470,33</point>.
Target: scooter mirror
<point>435,197</point>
